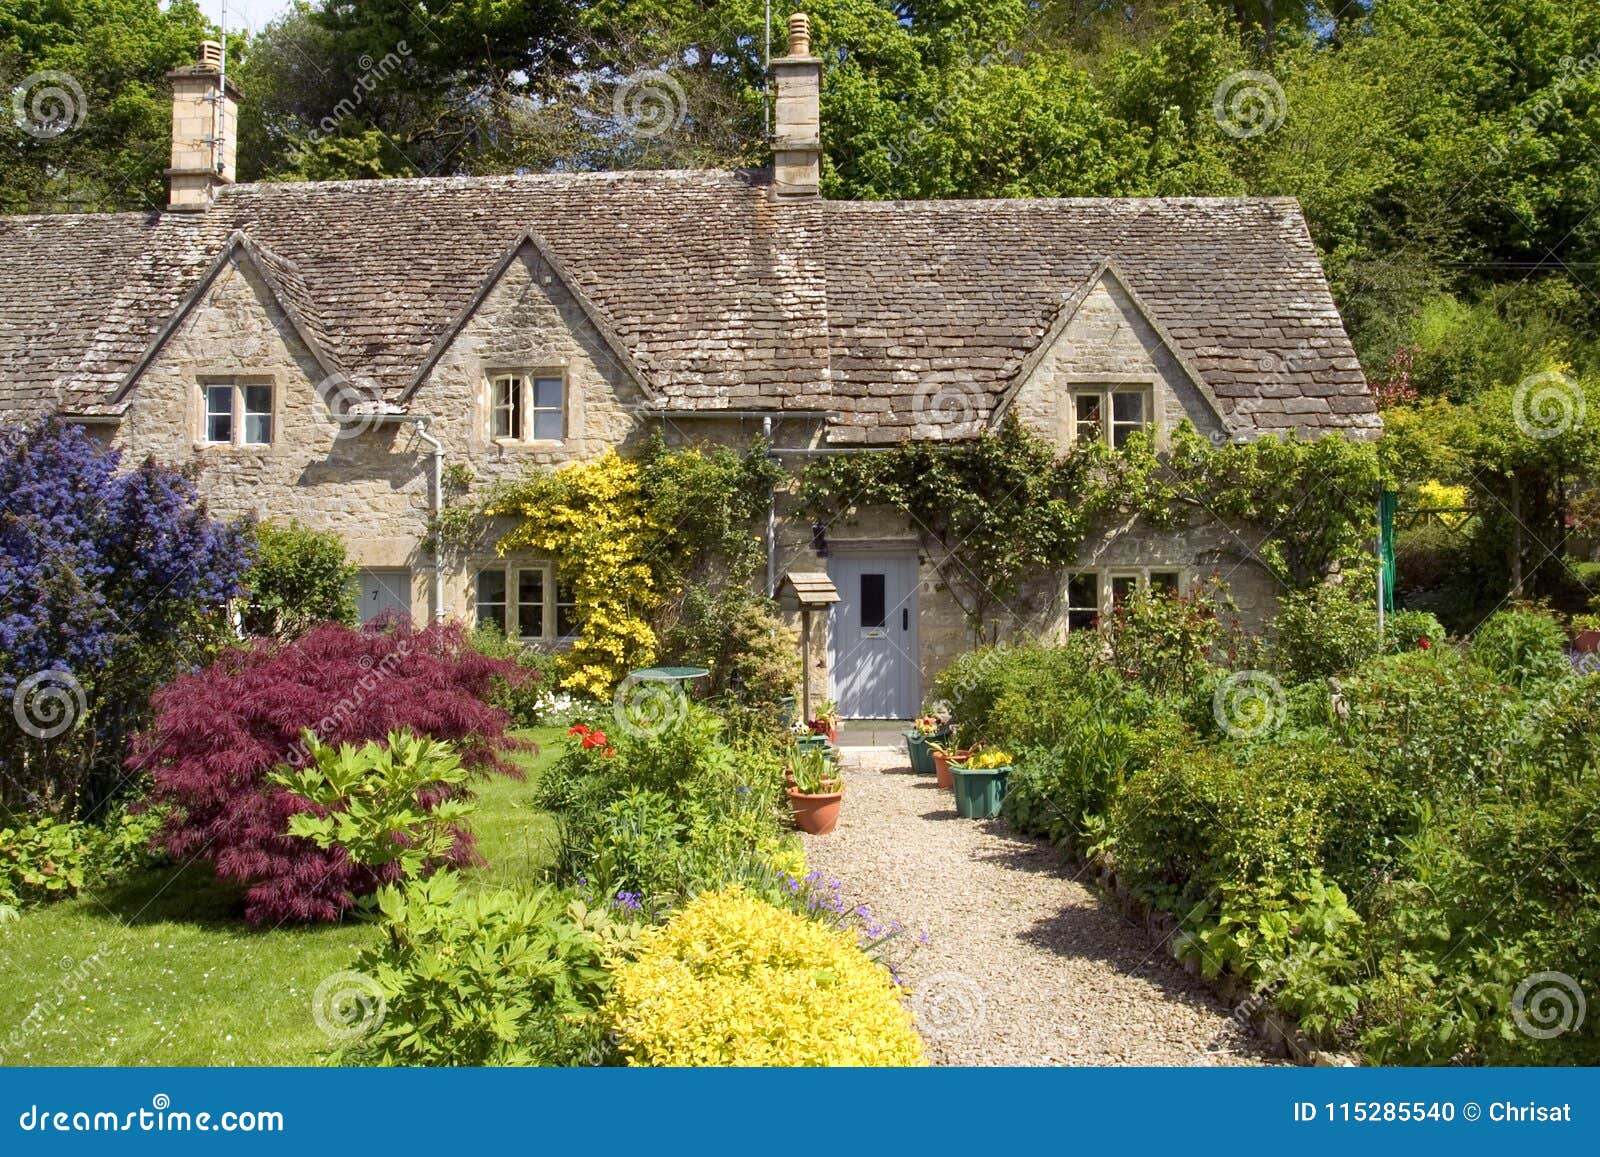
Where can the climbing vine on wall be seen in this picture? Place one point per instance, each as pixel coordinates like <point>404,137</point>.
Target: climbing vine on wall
<point>635,539</point>
<point>1007,505</point>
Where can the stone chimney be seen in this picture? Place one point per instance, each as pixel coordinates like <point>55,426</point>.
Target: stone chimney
<point>205,115</point>
<point>797,120</point>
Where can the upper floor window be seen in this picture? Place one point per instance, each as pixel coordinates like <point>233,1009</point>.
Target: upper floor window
<point>1111,413</point>
<point>526,407</point>
<point>237,413</point>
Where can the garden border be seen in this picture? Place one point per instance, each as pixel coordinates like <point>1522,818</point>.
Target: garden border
<point>1270,1025</point>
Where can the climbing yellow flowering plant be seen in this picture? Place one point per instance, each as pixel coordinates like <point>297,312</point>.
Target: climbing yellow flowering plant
<point>658,550</point>
<point>731,980</point>
<point>592,518</point>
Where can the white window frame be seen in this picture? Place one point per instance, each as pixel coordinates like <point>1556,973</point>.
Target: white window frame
<point>552,601</point>
<point>238,415</point>
<point>1106,396</point>
<point>1072,608</point>
<point>515,394</point>
<point>1106,579</point>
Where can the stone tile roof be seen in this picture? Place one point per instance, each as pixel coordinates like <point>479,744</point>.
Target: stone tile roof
<point>720,295</point>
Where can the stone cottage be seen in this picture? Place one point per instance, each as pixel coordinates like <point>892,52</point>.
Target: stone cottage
<point>328,351</point>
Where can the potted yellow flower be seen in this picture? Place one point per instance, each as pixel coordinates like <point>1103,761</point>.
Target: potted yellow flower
<point>925,731</point>
<point>980,784</point>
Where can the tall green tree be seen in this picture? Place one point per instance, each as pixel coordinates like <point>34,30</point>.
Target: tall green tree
<point>90,116</point>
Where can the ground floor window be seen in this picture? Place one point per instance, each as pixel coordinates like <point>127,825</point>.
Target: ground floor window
<point>525,600</point>
<point>1083,600</point>
<point>1092,593</point>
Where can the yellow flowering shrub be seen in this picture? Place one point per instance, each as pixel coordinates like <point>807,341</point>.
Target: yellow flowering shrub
<point>591,517</point>
<point>732,980</point>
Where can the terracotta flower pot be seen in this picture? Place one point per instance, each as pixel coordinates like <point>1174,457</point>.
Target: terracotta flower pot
<point>941,766</point>
<point>1586,642</point>
<point>816,814</point>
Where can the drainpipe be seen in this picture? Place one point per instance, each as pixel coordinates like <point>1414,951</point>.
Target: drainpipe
<point>772,515</point>
<point>435,508</point>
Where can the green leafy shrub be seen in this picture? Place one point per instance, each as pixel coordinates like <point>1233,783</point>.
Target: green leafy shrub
<point>1060,790</point>
<point>1413,630</point>
<point>1491,895</point>
<point>1009,695</point>
<point>47,859</point>
<point>1199,820</point>
<point>492,977</point>
<point>1431,721</point>
<point>387,805</point>
<point>1524,646</point>
<point>668,814</point>
<point>1297,939</point>
<point>527,701</point>
<point>1164,640</point>
<point>753,657</point>
<point>300,577</point>
<point>1326,630</point>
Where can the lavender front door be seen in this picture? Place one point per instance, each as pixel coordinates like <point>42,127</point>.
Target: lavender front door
<point>872,640</point>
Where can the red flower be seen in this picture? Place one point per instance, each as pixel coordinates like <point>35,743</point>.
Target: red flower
<point>595,739</point>
<point>610,753</point>
<point>1423,644</point>
<point>577,729</point>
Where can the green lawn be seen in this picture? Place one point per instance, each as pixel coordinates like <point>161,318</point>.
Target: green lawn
<point>162,970</point>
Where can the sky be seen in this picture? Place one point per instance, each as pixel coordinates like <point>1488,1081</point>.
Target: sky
<point>251,14</point>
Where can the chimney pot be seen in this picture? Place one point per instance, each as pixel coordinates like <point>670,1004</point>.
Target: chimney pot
<point>799,34</point>
<point>210,55</point>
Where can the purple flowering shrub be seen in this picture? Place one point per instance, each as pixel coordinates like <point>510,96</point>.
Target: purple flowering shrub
<point>111,582</point>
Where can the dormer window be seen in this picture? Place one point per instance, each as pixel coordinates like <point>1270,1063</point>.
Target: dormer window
<point>237,413</point>
<point>527,407</point>
<point>1111,413</point>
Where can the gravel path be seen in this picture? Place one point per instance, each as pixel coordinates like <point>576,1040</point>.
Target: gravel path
<point>1023,965</point>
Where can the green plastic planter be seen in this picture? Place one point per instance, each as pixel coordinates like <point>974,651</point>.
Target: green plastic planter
<point>980,793</point>
<point>921,754</point>
<point>818,743</point>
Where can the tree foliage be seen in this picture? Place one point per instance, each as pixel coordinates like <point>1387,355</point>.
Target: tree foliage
<point>300,577</point>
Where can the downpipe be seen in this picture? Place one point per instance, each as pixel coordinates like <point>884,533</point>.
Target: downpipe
<point>435,509</point>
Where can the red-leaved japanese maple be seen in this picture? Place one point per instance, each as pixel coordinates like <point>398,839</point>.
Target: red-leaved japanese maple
<point>218,732</point>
